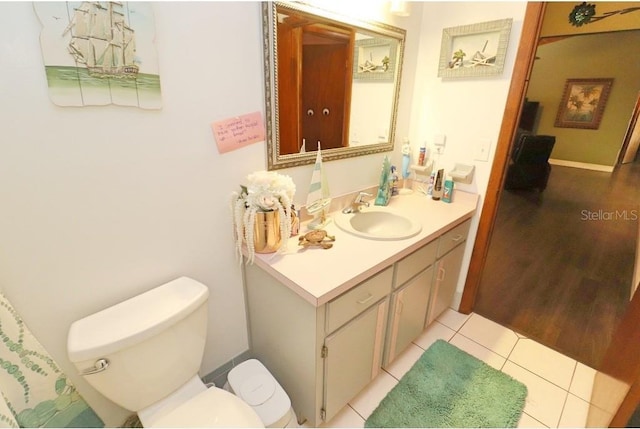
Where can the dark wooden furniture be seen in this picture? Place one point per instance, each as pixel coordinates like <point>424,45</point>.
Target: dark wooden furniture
<point>529,167</point>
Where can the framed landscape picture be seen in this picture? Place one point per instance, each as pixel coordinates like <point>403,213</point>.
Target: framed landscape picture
<point>583,102</point>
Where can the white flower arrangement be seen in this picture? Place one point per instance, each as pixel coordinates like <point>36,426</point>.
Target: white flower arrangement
<point>265,191</point>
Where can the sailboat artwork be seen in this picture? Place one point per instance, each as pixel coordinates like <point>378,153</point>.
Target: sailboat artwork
<point>318,199</point>
<point>102,40</point>
<point>98,53</point>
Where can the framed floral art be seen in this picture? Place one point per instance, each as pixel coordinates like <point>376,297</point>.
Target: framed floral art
<point>583,102</point>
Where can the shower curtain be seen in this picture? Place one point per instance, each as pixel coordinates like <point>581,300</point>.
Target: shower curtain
<point>34,392</point>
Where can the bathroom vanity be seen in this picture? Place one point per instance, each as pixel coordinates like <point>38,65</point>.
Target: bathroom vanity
<point>326,321</point>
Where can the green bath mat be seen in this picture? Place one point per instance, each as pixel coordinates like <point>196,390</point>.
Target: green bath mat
<point>450,388</point>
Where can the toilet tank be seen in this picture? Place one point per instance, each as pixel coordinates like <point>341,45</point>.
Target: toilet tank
<point>153,343</point>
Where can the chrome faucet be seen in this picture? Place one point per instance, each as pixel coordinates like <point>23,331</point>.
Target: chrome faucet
<point>357,203</point>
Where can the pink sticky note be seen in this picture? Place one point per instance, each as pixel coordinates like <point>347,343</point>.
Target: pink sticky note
<point>234,133</point>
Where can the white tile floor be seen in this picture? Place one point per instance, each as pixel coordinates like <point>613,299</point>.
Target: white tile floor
<point>559,387</point>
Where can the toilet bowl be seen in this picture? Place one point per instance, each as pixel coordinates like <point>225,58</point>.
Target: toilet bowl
<point>212,408</point>
<point>144,354</point>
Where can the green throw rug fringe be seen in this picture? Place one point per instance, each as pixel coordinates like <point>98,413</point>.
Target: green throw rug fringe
<point>447,387</point>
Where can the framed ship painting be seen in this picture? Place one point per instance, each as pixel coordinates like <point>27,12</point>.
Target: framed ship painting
<point>100,53</point>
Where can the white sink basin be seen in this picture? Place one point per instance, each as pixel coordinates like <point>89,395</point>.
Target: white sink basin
<point>377,223</point>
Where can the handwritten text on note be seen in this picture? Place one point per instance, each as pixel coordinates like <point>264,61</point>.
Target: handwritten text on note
<point>234,133</point>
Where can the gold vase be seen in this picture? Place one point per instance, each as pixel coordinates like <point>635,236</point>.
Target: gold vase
<point>266,232</point>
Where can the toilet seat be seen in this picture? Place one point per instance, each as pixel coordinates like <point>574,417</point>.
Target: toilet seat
<point>212,408</point>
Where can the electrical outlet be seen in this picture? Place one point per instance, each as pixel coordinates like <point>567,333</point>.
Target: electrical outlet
<point>438,150</point>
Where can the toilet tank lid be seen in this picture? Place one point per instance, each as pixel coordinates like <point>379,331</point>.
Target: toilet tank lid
<point>134,320</point>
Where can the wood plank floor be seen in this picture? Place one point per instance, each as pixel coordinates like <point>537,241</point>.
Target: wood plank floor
<point>560,263</point>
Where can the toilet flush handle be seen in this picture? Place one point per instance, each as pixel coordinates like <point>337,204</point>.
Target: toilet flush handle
<point>99,366</point>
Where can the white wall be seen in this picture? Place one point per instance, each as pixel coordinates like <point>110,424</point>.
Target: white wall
<point>101,203</point>
<point>465,110</point>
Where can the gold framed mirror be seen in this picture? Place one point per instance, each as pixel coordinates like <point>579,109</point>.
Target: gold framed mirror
<point>331,79</point>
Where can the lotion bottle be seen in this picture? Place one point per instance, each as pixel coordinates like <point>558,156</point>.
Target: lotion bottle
<point>447,192</point>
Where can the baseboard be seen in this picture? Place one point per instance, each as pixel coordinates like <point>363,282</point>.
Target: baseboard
<point>219,376</point>
<point>584,165</point>
<point>455,303</point>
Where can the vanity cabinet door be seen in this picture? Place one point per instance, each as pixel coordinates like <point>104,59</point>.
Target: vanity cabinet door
<point>445,282</point>
<point>352,358</point>
<point>408,313</point>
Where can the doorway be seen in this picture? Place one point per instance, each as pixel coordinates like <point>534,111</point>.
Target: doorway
<point>629,151</point>
<point>588,285</point>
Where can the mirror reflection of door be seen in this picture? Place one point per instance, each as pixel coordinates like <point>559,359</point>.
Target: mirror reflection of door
<point>327,58</point>
<point>314,84</point>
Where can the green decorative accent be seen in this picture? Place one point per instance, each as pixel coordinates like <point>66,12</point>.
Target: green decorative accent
<point>8,421</point>
<point>66,410</point>
<point>16,347</point>
<point>35,392</point>
<point>7,418</point>
<point>384,188</point>
<point>585,13</point>
<point>450,388</point>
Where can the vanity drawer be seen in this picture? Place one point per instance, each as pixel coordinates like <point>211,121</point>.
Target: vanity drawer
<point>415,262</point>
<point>452,238</point>
<point>351,303</point>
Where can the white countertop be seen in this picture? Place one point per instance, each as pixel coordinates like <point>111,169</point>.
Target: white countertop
<point>319,275</point>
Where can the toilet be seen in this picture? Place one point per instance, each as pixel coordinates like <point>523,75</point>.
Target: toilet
<point>144,354</point>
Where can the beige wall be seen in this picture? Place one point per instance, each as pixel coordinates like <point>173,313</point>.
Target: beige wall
<point>610,55</point>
